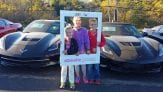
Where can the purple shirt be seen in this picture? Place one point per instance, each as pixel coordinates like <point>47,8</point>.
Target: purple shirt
<point>67,45</point>
<point>81,36</point>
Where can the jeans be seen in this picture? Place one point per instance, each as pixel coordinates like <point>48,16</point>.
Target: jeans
<point>83,69</point>
<point>93,72</point>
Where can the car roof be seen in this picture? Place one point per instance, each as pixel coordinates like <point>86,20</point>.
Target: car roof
<point>158,26</point>
<point>2,19</point>
<point>5,19</point>
<point>117,23</point>
<point>46,20</point>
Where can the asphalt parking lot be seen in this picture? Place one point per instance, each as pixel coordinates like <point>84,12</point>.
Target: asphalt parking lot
<point>47,79</point>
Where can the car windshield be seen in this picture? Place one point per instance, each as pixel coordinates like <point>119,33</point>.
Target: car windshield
<point>9,22</point>
<point>120,29</point>
<point>38,26</point>
<point>161,29</point>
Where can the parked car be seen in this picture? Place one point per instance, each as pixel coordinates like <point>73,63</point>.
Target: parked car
<point>127,51</point>
<point>35,46</point>
<point>155,33</point>
<point>7,26</point>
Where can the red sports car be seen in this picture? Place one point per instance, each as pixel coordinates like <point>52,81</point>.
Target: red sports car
<point>7,26</point>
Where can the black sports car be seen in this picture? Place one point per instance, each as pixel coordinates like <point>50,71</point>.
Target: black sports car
<point>126,50</point>
<point>155,33</point>
<point>37,45</point>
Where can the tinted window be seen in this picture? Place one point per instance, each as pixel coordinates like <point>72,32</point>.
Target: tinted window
<point>156,28</point>
<point>54,29</point>
<point>120,29</point>
<point>8,22</point>
<point>2,23</point>
<point>161,30</point>
<point>38,26</point>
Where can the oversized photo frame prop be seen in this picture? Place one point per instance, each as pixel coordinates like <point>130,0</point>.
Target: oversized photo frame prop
<point>82,58</point>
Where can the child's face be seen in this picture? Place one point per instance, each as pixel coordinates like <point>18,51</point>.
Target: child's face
<point>69,33</point>
<point>77,22</point>
<point>93,25</point>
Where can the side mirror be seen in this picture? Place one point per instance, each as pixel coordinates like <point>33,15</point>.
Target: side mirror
<point>145,34</point>
<point>11,25</point>
<point>20,29</point>
<point>2,27</point>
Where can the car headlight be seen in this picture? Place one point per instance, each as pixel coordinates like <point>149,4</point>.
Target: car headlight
<point>107,50</point>
<point>54,44</point>
<point>2,43</point>
<point>160,50</point>
<point>52,48</point>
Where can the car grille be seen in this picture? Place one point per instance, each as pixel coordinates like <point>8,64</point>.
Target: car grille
<point>30,39</point>
<point>16,59</point>
<point>131,43</point>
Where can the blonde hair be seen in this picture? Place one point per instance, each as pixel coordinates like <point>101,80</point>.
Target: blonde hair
<point>74,18</point>
<point>68,27</point>
<point>94,20</point>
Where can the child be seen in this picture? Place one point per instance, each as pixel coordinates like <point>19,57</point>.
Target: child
<point>71,47</point>
<point>93,69</point>
<point>81,36</point>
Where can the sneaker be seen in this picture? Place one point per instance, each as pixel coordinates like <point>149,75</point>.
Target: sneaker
<point>97,81</point>
<point>72,86</point>
<point>77,79</point>
<point>85,80</point>
<point>62,86</point>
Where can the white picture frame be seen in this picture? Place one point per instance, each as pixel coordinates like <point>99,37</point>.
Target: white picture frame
<point>83,58</point>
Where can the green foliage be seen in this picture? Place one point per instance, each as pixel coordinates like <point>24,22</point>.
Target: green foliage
<point>138,12</point>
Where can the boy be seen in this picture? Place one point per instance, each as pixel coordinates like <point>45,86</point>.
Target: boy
<point>93,69</point>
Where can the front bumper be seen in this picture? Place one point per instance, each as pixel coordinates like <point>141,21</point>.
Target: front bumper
<point>29,62</point>
<point>157,59</point>
<point>137,68</point>
<point>140,66</point>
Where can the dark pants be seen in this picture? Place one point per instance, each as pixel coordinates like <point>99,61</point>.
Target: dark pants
<point>93,72</point>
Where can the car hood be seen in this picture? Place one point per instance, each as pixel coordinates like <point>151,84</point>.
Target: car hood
<point>34,44</point>
<point>132,48</point>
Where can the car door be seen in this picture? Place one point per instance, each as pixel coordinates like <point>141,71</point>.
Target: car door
<point>6,28</point>
<point>10,27</point>
<point>2,28</point>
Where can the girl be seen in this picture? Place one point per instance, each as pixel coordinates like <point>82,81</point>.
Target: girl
<point>71,47</point>
<point>81,36</point>
<point>93,69</point>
